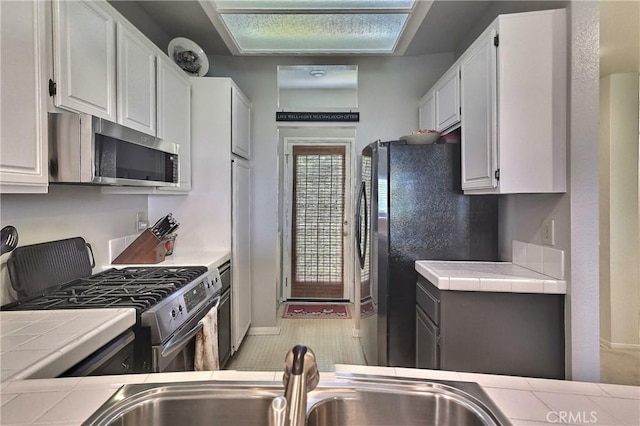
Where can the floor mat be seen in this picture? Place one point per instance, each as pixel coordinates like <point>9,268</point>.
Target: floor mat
<point>315,310</point>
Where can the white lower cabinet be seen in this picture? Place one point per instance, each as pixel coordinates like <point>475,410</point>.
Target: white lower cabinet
<point>514,101</point>
<point>240,250</point>
<point>23,109</point>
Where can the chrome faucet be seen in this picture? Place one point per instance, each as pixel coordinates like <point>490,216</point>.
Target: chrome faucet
<point>300,376</point>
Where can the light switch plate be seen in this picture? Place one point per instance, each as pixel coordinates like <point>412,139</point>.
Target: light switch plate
<point>548,232</point>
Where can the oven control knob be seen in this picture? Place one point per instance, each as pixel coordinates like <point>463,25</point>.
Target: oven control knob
<point>173,313</point>
<point>180,308</point>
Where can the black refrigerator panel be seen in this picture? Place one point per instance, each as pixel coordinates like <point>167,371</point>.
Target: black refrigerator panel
<point>422,215</point>
<point>429,216</point>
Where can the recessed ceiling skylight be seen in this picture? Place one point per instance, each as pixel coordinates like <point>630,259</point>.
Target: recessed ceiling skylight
<point>316,26</point>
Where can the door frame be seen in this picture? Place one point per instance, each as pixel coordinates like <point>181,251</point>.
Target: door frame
<point>348,265</point>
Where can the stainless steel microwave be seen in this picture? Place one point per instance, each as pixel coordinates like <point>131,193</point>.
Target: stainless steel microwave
<point>91,150</point>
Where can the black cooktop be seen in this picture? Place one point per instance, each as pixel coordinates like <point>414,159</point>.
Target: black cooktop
<point>132,287</point>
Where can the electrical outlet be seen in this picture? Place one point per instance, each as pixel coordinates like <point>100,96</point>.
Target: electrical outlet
<point>548,232</point>
<point>142,222</point>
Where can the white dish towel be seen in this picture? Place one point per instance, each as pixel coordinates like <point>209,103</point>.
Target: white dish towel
<point>206,358</point>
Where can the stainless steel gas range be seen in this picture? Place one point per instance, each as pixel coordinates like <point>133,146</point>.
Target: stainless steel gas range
<point>169,301</point>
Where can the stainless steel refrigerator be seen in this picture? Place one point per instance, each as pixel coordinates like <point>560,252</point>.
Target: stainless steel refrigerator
<point>411,207</point>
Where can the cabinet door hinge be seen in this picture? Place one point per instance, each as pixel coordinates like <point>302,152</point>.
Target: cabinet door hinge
<point>52,87</point>
<point>497,174</point>
<point>460,73</point>
<point>496,40</point>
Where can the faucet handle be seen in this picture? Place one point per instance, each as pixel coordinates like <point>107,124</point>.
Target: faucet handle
<point>301,360</point>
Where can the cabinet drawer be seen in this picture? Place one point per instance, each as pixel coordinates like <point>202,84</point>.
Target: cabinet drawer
<point>428,303</point>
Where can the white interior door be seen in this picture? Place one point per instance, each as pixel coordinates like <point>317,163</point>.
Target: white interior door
<point>323,258</point>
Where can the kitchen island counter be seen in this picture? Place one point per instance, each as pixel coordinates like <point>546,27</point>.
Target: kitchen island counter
<point>525,401</point>
<point>39,344</point>
<point>488,277</point>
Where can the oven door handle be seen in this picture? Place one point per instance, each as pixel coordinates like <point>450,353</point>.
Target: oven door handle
<point>179,341</point>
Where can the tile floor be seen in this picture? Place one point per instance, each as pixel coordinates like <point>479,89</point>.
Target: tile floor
<point>331,341</point>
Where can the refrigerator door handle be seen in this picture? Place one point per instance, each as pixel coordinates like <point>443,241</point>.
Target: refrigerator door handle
<point>362,247</point>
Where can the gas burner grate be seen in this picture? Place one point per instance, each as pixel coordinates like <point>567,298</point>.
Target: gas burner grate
<point>132,287</point>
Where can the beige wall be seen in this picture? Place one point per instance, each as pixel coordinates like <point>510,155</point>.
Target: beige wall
<point>619,202</point>
<point>619,247</point>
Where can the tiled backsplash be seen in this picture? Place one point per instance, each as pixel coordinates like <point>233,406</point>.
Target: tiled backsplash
<point>542,259</point>
<point>117,245</point>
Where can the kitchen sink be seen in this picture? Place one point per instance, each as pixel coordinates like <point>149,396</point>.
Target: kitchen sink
<point>391,402</point>
<point>350,400</point>
<point>194,404</point>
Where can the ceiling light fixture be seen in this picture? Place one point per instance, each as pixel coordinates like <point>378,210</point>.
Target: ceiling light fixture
<point>316,27</point>
<point>318,73</point>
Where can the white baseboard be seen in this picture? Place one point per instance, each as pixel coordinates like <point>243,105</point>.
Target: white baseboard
<point>355,332</point>
<point>263,331</point>
<point>626,346</point>
<point>604,343</point>
<point>622,346</point>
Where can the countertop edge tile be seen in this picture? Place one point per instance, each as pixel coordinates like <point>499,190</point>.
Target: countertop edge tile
<point>492,276</point>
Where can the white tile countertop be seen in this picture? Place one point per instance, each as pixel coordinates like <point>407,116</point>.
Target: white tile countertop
<point>210,259</point>
<point>525,401</point>
<point>38,344</point>
<point>488,277</point>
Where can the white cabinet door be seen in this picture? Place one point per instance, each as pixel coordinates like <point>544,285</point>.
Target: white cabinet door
<point>514,106</point>
<point>136,94</point>
<point>240,124</point>
<point>84,57</point>
<point>174,114</point>
<point>240,250</point>
<point>427,111</point>
<point>447,97</point>
<point>23,107</point>
<point>478,101</point>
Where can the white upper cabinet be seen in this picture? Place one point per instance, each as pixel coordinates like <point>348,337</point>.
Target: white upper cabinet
<point>240,124</point>
<point>427,111</point>
<point>447,99</point>
<point>174,114</point>
<point>23,107</point>
<point>478,92</point>
<point>84,56</point>
<point>514,100</point>
<point>136,82</point>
